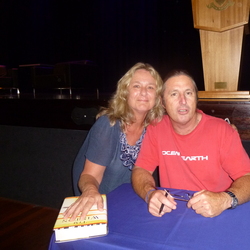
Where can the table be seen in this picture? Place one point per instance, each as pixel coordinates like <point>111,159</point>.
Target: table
<point>131,226</point>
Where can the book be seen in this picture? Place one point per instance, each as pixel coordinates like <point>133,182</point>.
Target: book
<point>95,223</point>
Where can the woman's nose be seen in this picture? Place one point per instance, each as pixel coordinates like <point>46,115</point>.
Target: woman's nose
<point>143,91</point>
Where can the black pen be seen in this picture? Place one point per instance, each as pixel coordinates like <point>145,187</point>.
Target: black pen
<point>162,205</point>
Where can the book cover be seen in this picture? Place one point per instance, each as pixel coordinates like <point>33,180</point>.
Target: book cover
<point>95,223</point>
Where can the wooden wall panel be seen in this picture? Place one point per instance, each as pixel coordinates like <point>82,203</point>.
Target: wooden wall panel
<point>237,111</point>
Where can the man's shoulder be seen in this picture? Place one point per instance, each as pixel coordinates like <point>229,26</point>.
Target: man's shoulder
<point>159,127</point>
<point>214,120</point>
<point>157,124</point>
<point>217,125</point>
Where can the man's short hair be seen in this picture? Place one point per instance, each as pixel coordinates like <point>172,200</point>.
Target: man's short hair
<point>178,72</point>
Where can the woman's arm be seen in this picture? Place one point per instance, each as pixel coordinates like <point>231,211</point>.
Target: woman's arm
<point>89,182</point>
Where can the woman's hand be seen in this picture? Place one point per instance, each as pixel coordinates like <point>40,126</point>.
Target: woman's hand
<point>89,182</point>
<point>83,204</point>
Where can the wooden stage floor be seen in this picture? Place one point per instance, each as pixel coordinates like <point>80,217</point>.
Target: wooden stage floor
<point>25,226</point>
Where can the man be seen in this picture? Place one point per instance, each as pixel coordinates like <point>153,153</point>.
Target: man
<point>194,151</point>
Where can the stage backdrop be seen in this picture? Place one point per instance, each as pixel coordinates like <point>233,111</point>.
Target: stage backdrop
<point>113,33</point>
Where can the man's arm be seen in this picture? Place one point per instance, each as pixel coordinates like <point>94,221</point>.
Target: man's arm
<point>210,204</point>
<point>142,181</point>
<point>144,185</point>
<point>241,188</point>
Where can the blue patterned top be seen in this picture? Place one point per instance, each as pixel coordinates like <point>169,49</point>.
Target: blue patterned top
<point>102,146</point>
<point>129,153</point>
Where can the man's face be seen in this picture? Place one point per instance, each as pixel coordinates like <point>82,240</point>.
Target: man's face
<point>180,100</point>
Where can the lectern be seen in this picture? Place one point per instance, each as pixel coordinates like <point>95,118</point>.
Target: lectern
<point>221,26</point>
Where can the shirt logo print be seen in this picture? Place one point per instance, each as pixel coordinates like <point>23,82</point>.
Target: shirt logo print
<point>185,158</point>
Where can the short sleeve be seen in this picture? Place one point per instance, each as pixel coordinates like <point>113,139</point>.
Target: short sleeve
<point>102,141</point>
<point>235,159</point>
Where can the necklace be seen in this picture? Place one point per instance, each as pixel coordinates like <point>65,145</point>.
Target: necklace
<point>129,153</point>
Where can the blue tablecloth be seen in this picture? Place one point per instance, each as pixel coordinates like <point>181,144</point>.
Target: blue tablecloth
<point>131,226</point>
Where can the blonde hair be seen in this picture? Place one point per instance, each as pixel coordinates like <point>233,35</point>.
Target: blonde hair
<point>118,108</point>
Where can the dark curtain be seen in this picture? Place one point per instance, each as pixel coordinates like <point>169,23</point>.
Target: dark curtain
<point>115,34</point>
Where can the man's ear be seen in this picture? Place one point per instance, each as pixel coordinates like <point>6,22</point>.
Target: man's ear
<point>162,103</point>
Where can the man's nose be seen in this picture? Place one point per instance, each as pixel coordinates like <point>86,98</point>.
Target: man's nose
<point>183,99</point>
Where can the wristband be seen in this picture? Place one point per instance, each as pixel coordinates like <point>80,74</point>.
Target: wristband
<point>148,193</point>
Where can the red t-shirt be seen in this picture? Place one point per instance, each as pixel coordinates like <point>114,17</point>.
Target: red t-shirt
<point>209,158</point>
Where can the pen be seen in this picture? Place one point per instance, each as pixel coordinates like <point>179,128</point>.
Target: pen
<point>162,205</point>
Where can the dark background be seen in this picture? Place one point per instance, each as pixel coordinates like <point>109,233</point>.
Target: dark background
<point>39,137</point>
<point>115,34</point>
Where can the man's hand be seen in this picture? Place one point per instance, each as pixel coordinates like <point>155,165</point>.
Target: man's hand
<point>209,204</point>
<point>156,199</point>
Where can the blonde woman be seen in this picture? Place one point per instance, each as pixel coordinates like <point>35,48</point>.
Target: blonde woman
<point>110,150</point>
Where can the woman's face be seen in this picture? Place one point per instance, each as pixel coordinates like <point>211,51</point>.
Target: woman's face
<point>142,92</point>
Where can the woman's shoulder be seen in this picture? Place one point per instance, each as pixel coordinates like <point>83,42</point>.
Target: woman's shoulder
<point>103,123</point>
<point>104,119</point>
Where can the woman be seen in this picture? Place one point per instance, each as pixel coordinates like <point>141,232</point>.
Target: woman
<point>113,143</point>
